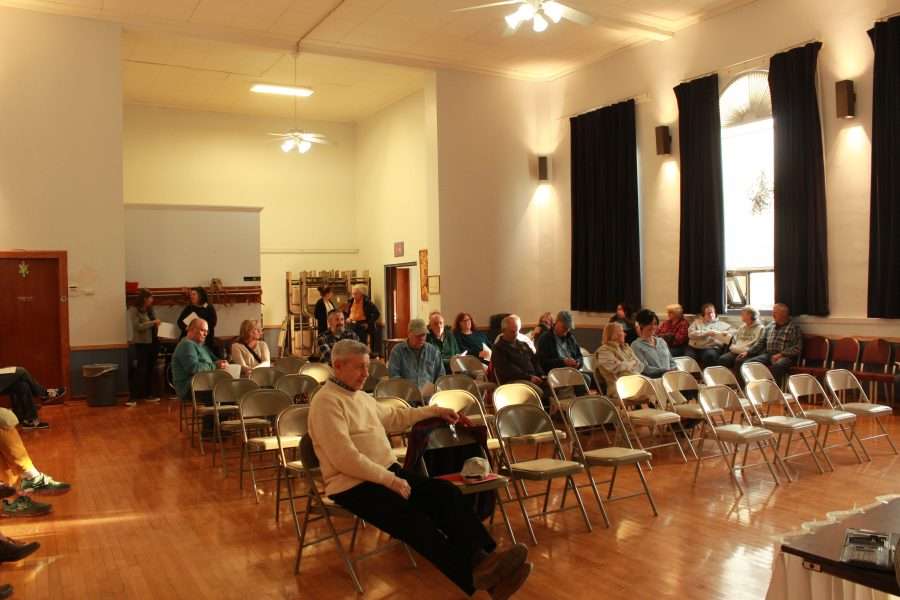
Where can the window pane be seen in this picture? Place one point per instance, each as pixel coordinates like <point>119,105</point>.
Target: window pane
<point>762,290</point>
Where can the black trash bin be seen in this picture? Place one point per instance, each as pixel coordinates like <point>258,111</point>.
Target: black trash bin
<point>100,383</point>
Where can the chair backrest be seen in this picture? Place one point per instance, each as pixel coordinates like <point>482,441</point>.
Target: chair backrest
<point>764,391</point>
<point>308,455</point>
<point>637,387</point>
<point>460,401</point>
<point>803,384</point>
<point>265,376</point>
<point>523,419</point>
<point>205,381</point>
<point>470,365</point>
<point>264,403</point>
<point>845,351</point>
<point>564,377</point>
<point>756,371</point>
<point>291,422</point>
<point>510,394</point>
<point>289,365</point>
<point>815,350</point>
<point>593,411</point>
<point>688,365</point>
<point>318,371</point>
<point>299,387</point>
<point>876,353</point>
<point>392,402</point>
<point>589,362</point>
<point>721,376</point>
<point>678,382</point>
<point>231,391</point>
<point>378,368</point>
<point>842,381</point>
<point>397,387</point>
<point>457,381</point>
<point>719,397</point>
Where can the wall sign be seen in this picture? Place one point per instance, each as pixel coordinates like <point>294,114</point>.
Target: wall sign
<point>423,274</point>
<point>398,249</point>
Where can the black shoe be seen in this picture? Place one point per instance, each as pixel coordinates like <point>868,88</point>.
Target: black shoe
<point>12,550</point>
<point>35,424</point>
<point>7,490</point>
<point>6,591</point>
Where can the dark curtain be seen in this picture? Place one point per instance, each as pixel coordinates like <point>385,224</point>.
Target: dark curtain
<point>701,263</point>
<point>606,267</point>
<point>801,237</point>
<point>884,216</point>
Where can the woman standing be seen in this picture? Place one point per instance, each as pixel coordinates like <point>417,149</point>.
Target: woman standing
<point>249,350</point>
<point>144,325</point>
<point>651,350</point>
<point>473,343</point>
<point>615,358</point>
<point>201,308</point>
<point>324,306</point>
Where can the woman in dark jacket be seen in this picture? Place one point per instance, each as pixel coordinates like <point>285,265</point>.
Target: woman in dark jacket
<point>472,342</point>
<point>625,317</point>
<point>200,307</point>
<point>362,317</point>
<point>323,307</point>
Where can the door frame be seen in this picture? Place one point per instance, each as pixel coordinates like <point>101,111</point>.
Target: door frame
<point>61,256</point>
<point>389,297</point>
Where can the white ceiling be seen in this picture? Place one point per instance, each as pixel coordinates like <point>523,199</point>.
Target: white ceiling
<point>202,54</point>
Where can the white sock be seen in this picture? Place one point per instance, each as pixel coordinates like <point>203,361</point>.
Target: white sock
<point>31,473</point>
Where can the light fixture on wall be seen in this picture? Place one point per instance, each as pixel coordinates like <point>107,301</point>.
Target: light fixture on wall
<point>845,99</point>
<point>295,138</point>
<point>543,169</point>
<point>281,90</point>
<point>663,140</point>
<point>539,12</point>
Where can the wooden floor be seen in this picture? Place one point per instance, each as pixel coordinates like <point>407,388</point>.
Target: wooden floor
<point>149,518</point>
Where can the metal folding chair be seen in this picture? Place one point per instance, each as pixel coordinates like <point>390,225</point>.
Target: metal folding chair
<point>259,409</point>
<point>397,387</point>
<point>843,385</point>
<point>265,377</point>
<point>637,389</point>
<point>300,388</point>
<point>204,381</point>
<point>226,401</point>
<point>318,371</point>
<point>827,417</point>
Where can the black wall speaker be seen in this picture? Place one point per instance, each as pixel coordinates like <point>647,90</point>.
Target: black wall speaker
<point>663,140</point>
<point>845,99</point>
<point>543,168</point>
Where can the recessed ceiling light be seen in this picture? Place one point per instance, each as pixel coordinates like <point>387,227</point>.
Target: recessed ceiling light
<point>281,90</point>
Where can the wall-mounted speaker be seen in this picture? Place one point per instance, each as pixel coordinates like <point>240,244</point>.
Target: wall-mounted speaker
<point>543,168</point>
<point>663,140</point>
<point>845,99</point>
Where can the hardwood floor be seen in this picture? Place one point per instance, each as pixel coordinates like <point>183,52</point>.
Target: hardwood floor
<point>149,518</point>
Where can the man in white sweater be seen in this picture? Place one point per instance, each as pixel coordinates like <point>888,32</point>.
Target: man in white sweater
<point>348,429</point>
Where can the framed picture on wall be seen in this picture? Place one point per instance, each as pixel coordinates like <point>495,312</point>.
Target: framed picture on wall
<point>423,274</point>
<point>434,284</point>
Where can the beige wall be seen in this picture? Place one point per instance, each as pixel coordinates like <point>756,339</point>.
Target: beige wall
<point>182,157</point>
<point>61,158</point>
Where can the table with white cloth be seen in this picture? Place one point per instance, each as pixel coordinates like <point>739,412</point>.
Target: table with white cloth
<point>809,567</point>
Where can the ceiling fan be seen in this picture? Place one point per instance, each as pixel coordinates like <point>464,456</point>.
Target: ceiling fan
<point>539,12</point>
<point>295,138</point>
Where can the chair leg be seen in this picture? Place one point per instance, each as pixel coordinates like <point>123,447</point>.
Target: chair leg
<point>762,450</point>
<point>344,556</point>
<point>884,431</point>
<point>597,497</point>
<point>525,515</point>
<point>730,466</point>
<point>278,494</point>
<point>587,521</point>
<point>410,556</point>
<point>509,529</point>
<point>849,437</point>
<point>678,444</point>
<point>290,487</point>
<point>647,488</point>
<point>811,452</point>
<point>253,475</point>
<point>547,496</point>
<point>612,482</point>
<point>862,446</point>
<point>241,476</point>
<point>301,532</point>
<point>821,443</point>
<point>699,460</point>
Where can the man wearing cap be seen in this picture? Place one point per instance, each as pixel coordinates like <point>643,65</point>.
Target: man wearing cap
<point>560,349</point>
<point>417,360</point>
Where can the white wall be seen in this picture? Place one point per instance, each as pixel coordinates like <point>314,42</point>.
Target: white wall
<point>61,158</point>
<point>182,157</point>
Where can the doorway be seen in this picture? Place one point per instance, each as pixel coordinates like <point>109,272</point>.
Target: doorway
<point>34,311</point>
<point>401,286</point>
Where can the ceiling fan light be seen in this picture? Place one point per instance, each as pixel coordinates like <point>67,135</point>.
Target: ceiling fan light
<point>287,145</point>
<point>513,21</point>
<point>539,23</point>
<point>526,11</point>
<point>553,9</point>
<point>303,146</point>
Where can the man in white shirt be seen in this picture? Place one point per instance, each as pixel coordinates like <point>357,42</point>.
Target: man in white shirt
<point>348,429</point>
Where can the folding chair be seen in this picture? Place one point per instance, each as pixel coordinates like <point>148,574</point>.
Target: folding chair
<point>766,392</point>
<point>290,426</point>
<point>732,434</point>
<point>842,383</point>
<point>226,401</point>
<point>756,371</point>
<point>204,381</point>
<point>590,413</point>
<point>806,385</point>
<point>397,387</point>
<point>318,371</point>
<point>563,383</point>
<point>289,365</point>
<point>511,394</point>
<point>265,377</point>
<point>523,420</point>
<point>474,368</point>
<point>377,371</point>
<point>320,508</point>
<point>637,388</point>
<point>299,387</point>
<point>687,364</point>
<point>683,392</point>
<point>465,403</point>
<point>259,409</point>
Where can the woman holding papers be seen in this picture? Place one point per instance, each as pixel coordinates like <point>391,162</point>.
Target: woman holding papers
<point>471,342</point>
<point>708,337</point>
<point>250,351</point>
<point>146,346</point>
<point>200,308</point>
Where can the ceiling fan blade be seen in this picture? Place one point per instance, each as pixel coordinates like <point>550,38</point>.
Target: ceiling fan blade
<point>489,5</point>
<point>316,140</point>
<point>576,15</point>
<point>280,134</point>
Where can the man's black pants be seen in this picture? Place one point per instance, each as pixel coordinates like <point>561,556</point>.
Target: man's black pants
<point>22,388</point>
<point>436,521</point>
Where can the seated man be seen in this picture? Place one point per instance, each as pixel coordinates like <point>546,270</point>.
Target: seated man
<point>348,429</point>
<point>16,464</point>
<point>560,349</point>
<point>513,359</point>
<point>192,356</point>
<point>335,333</point>
<point>22,389</point>
<point>417,360</point>
<point>441,337</point>
<point>779,347</point>
<point>526,339</point>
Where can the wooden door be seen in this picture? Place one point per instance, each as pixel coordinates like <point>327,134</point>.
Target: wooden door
<point>34,314</point>
<point>401,303</point>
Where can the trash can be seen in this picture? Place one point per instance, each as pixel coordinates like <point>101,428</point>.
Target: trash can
<point>100,383</point>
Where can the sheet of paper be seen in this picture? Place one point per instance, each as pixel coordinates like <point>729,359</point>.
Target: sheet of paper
<point>7,370</point>
<point>464,352</point>
<point>187,320</point>
<point>235,370</point>
<point>484,347</point>
<point>168,331</point>
<point>264,363</point>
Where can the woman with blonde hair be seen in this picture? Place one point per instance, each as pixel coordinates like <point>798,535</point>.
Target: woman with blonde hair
<point>250,350</point>
<point>615,358</point>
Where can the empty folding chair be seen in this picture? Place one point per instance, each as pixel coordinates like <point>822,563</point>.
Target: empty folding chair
<point>465,403</point>
<point>756,371</point>
<point>259,409</point>
<point>318,371</point>
<point>844,386</point>
<point>520,420</point>
<point>827,417</point>
<point>717,375</point>
<point>682,392</point>
<point>766,392</point>
<point>289,365</point>
<point>203,383</point>
<point>299,387</point>
<point>397,387</point>
<point>474,368</point>
<point>265,377</point>
<point>689,365</point>
<point>564,383</point>
<point>589,413</point>
<point>320,508</point>
<point>461,381</point>
<point>733,435</point>
<point>637,389</point>
<point>226,401</point>
<point>510,394</point>
<point>377,371</point>
<point>290,425</point>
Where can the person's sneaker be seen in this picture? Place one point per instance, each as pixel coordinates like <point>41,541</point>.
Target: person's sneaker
<point>7,490</point>
<point>44,484</point>
<point>498,566</point>
<point>35,424</point>
<point>13,550</point>
<point>509,586</point>
<point>23,506</point>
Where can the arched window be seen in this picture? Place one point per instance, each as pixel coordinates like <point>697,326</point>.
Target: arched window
<point>745,107</point>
